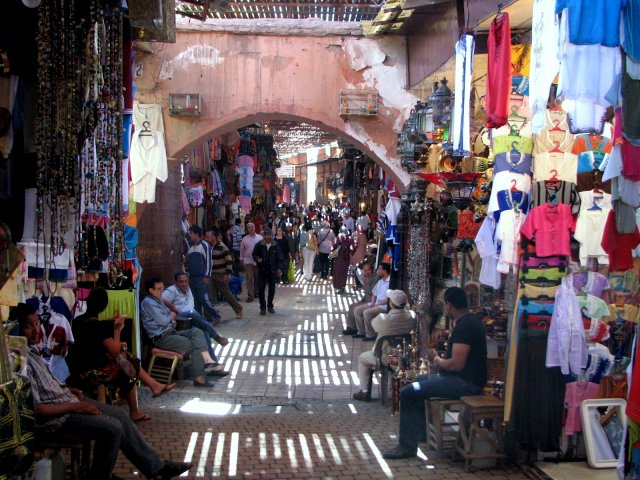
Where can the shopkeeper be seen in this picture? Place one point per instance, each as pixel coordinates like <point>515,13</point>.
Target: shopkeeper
<point>463,372</point>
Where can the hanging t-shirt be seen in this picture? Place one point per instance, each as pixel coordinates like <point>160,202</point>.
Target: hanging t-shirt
<point>587,73</point>
<point>487,249</point>
<point>550,226</point>
<point>631,23</point>
<point>565,192</point>
<point>592,151</point>
<point>619,245</point>
<point>564,164</point>
<point>555,135</point>
<point>148,112</point>
<point>505,143</point>
<point>513,162</point>
<point>508,233</point>
<point>590,199</point>
<point>589,231</point>
<point>503,181</point>
<point>593,22</point>
<point>508,200</point>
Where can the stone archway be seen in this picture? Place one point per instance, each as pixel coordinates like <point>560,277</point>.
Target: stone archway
<point>242,79</point>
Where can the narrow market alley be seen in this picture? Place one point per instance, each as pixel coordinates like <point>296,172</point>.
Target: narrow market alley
<point>285,411</point>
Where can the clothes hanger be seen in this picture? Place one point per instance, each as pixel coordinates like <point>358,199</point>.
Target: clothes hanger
<point>556,128</point>
<point>514,188</point>
<point>553,181</point>
<point>499,13</point>
<point>514,147</point>
<point>556,148</point>
<point>146,130</point>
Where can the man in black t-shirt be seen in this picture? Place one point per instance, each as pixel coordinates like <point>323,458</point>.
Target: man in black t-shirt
<point>463,372</point>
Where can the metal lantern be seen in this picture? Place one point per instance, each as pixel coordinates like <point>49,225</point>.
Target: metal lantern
<point>440,103</point>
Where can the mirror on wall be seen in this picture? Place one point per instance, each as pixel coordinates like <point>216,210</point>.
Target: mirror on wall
<point>603,422</point>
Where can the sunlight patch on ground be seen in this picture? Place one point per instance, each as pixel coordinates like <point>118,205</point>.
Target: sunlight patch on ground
<point>201,407</point>
<point>378,455</point>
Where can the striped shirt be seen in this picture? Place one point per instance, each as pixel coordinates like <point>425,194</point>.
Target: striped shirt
<point>567,193</point>
<point>47,390</point>
<point>221,261</point>
<point>199,257</point>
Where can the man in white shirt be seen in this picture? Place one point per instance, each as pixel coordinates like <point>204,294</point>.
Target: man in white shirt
<point>366,313</point>
<point>349,222</point>
<point>363,221</point>
<point>179,299</point>
<point>250,240</point>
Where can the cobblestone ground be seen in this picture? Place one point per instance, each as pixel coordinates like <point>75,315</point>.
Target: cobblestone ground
<point>285,411</point>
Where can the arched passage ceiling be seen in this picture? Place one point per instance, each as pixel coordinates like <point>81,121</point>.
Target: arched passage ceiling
<point>244,79</point>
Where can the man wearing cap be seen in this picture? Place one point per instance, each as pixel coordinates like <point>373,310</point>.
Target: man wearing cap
<point>396,322</point>
<point>269,259</point>
<point>463,371</point>
<point>365,314</point>
<point>250,240</point>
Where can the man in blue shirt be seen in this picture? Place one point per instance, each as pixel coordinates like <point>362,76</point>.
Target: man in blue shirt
<point>159,323</point>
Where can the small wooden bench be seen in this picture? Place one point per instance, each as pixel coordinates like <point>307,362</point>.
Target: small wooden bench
<point>441,433</point>
<point>480,416</point>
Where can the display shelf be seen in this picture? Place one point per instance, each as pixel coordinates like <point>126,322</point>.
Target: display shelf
<point>184,104</point>
<point>363,103</point>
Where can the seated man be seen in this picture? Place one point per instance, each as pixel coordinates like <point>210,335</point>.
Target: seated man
<point>365,313</point>
<point>463,371</point>
<point>179,299</point>
<point>158,322</point>
<point>368,280</point>
<point>396,322</point>
<point>59,410</point>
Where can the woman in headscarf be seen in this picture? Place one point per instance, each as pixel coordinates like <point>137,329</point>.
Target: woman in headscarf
<point>342,261</point>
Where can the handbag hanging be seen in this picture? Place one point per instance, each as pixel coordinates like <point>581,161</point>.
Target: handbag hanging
<point>334,253</point>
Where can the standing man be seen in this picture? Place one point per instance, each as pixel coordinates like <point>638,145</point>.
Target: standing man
<point>199,266</point>
<point>235,236</point>
<point>325,242</point>
<point>368,280</point>
<point>363,221</point>
<point>350,223</point>
<point>250,240</point>
<point>268,258</point>
<point>365,314</point>
<point>159,323</point>
<point>179,299</point>
<point>463,371</point>
<point>221,266</point>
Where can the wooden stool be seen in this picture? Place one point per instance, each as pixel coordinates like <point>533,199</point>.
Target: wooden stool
<point>80,451</point>
<point>474,410</point>
<point>163,371</point>
<point>439,431</point>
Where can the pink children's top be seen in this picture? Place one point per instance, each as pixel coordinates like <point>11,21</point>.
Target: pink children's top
<point>575,393</point>
<point>551,226</point>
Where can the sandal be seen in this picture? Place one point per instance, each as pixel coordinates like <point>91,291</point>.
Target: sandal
<point>142,418</point>
<point>167,388</point>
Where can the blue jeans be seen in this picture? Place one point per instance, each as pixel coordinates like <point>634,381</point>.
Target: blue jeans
<point>201,298</point>
<point>412,397</point>
<point>197,321</point>
<point>112,431</point>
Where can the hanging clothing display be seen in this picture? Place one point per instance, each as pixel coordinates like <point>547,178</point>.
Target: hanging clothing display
<point>498,71</point>
<point>461,127</point>
<point>544,60</point>
<point>148,162</point>
<point>151,113</point>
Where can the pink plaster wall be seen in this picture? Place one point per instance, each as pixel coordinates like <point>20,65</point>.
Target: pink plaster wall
<point>251,78</point>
